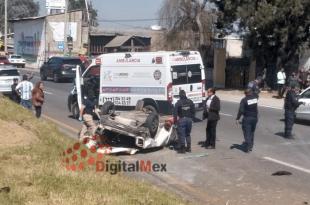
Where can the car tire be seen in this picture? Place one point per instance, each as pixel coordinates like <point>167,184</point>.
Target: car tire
<point>152,123</point>
<point>42,76</point>
<point>56,78</point>
<point>108,108</point>
<point>150,109</point>
<point>75,110</point>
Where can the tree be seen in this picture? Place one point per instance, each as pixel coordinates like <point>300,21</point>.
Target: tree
<point>275,30</point>
<point>80,4</point>
<point>18,9</point>
<point>188,24</point>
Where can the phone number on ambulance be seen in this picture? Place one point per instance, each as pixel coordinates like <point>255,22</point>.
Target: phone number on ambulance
<point>118,100</point>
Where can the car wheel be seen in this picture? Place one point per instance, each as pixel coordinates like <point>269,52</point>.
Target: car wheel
<point>150,109</point>
<point>152,123</point>
<point>42,76</point>
<point>108,108</point>
<point>75,110</point>
<point>55,78</point>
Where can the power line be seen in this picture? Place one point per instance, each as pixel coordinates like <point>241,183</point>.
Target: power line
<point>130,20</point>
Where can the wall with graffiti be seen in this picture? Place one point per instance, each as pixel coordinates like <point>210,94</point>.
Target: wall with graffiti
<point>29,38</point>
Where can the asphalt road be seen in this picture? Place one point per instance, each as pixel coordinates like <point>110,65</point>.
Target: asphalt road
<point>225,175</point>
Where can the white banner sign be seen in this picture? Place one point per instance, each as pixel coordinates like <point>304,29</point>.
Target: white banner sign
<point>58,30</point>
<point>56,4</point>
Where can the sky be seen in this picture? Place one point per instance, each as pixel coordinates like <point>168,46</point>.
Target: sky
<point>129,10</point>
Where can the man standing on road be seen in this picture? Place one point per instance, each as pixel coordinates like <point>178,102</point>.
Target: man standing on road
<point>184,113</point>
<point>281,77</point>
<point>290,105</point>
<point>248,108</point>
<point>211,112</point>
<point>86,115</point>
<point>24,88</point>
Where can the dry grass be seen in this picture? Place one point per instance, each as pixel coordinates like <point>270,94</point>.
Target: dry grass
<point>31,166</point>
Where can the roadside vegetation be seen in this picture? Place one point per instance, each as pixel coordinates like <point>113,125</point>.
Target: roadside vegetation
<point>32,173</point>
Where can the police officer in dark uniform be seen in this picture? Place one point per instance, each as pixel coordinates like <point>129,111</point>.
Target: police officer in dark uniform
<point>184,113</point>
<point>248,108</point>
<point>290,105</point>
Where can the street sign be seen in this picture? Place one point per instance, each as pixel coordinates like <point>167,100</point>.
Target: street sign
<point>60,45</point>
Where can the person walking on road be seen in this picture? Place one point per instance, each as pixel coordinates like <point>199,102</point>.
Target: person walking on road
<point>184,113</point>
<point>86,115</point>
<point>211,112</point>
<point>38,98</point>
<point>248,109</point>
<point>24,88</point>
<point>290,105</point>
<point>281,77</point>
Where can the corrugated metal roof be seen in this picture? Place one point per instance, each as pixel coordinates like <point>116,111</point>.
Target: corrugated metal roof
<point>117,41</point>
<point>28,18</point>
<point>41,17</point>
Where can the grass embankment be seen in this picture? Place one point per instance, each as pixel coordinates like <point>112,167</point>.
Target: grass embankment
<point>30,165</point>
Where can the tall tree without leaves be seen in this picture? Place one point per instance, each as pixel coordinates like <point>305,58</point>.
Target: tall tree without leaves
<point>188,24</point>
<point>80,4</point>
<point>276,30</point>
<point>18,9</point>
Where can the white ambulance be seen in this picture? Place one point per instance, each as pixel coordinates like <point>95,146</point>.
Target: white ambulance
<point>154,77</point>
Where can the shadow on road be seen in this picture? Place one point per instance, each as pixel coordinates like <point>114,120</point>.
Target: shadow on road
<point>299,121</point>
<point>280,134</point>
<point>302,122</point>
<point>240,147</point>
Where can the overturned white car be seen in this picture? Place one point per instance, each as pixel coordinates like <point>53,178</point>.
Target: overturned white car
<point>131,131</point>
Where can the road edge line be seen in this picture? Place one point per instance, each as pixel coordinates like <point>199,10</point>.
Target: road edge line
<point>287,164</point>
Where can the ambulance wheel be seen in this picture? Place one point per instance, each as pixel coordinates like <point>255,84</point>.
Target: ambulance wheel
<point>108,108</point>
<point>152,123</point>
<point>75,110</point>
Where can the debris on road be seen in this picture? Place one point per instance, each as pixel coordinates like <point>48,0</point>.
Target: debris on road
<point>281,173</point>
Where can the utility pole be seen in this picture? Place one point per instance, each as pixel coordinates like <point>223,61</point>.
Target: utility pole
<point>5,26</point>
<point>89,28</point>
<point>66,28</point>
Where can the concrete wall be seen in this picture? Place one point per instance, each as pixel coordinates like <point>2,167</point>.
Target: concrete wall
<point>29,39</point>
<point>55,33</point>
<point>41,38</point>
<point>219,68</point>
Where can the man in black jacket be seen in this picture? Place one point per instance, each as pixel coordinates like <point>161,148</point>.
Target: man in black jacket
<point>290,105</point>
<point>248,108</point>
<point>184,113</point>
<point>211,112</point>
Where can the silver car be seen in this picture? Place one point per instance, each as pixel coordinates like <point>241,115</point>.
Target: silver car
<point>7,74</point>
<point>303,111</point>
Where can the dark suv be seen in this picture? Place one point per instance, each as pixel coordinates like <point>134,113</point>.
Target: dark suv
<point>59,68</point>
